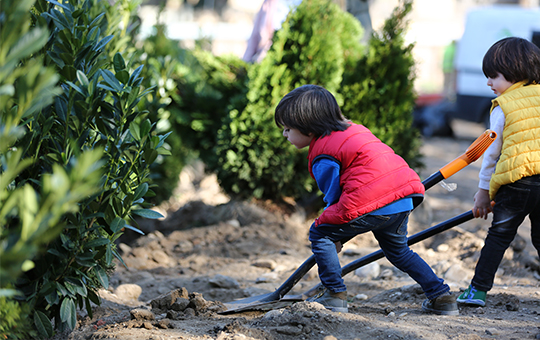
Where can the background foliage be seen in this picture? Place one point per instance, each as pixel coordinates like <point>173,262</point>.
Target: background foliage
<point>88,116</point>
<point>318,44</point>
<point>255,160</point>
<point>378,92</point>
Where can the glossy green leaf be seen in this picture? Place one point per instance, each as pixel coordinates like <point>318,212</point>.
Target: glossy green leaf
<point>135,130</point>
<point>43,324</point>
<point>141,191</point>
<point>118,63</point>
<point>111,80</point>
<point>147,213</point>
<point>117,224</point>
<point>68,313</point>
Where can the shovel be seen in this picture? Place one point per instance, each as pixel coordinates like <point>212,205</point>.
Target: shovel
<point>278,298</point>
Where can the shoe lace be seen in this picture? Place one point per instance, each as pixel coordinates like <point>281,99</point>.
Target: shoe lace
<point>322,290</point>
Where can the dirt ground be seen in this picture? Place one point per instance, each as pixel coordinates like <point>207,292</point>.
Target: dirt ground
<point>209,251</point>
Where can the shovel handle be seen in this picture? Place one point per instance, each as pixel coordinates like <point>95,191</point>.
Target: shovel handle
<point>420,236</point>
<point>376,255</point>
<point>473,152</point>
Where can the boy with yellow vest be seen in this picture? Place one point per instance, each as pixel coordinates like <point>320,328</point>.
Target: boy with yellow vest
<point>510,173</point>
<point>366,186</point>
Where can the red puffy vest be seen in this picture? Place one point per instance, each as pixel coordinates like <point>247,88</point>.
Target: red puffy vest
<point>371,174</point>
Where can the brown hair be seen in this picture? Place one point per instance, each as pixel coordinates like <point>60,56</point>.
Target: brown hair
<point>310,109</point>
<point>515,58</point>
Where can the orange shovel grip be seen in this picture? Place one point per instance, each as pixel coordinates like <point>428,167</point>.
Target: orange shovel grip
<point>473,152</point>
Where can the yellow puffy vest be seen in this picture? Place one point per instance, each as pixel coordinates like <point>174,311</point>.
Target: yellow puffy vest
<point>520,153</point>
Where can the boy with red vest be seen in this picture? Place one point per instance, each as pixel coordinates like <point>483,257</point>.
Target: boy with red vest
<point>510,173</point>
<point>366,186</point>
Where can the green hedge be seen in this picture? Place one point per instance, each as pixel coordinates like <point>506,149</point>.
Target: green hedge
<point>318,44</point>
<point>77,157</point>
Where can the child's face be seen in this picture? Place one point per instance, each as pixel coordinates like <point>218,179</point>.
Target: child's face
<point>499,84</point>
<point>297,138</point>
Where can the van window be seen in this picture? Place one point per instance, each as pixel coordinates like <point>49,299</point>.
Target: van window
<point>536,38</point>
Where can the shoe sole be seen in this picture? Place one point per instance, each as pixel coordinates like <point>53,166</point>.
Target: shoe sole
<point>338,309</point>
<point>440,312</point>
<point>472,302</point>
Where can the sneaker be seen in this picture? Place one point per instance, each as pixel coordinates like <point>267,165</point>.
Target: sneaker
<point>336,302</point>
<point>442,305</point>
<point>471,296</point>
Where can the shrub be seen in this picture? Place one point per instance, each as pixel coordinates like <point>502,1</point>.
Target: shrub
<point>318,44</point>
<point>379,90</point>
<point>31,208</point>
<point>314,46</point>
<point>92,127</point>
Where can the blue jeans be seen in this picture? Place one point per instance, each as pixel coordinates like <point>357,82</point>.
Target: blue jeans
<point>391,233</point>
<point>513,202</point>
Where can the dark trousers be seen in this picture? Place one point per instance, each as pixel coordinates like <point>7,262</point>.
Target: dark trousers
<point>513,202</point>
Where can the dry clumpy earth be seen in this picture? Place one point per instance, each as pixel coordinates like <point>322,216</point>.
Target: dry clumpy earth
<point>210,250</point>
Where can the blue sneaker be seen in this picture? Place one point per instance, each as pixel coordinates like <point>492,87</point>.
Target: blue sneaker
<point>472,296</point>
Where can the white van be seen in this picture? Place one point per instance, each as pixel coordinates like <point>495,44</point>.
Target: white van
<point>483,27</point>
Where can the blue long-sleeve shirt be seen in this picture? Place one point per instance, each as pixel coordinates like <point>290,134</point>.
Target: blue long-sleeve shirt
<point>326,173</point>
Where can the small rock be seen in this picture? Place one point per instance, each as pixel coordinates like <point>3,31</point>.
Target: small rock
<point>442,248</point>
<point>265,263</point>
<point>222,281</point>
<point>480,310</point>
<point>148,325</point>
<point>456,273</point>
<point>368,271</point>
<point>512,303</point>
<point>268,277</point>
<point>183,246</point>
<point>492,331</point>
<point>180,304</point>
<point>162,258</point>
<point>233,223</point>
<point>165,301</point>
<point>189,312</point>
<point>289,330</point>
<point>164,323</point>
<point>198,302</point>
<point>387,274</point>
<point>141,314</point>
<point>124,248</point>
<point>391,315</point>
<point>128,291</point>
<point>273,314</point>
<point>361,297</point>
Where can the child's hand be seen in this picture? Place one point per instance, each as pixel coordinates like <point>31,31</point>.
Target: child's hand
<point>482,204</point>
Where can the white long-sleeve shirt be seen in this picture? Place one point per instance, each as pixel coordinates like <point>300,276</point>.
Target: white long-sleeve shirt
<point>493,152</point>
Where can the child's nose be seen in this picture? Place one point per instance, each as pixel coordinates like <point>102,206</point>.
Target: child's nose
<point>284,133</point>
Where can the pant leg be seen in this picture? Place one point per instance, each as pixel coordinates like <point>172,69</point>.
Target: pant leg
<point>534,216</point>
<point>393,241</point>
<point>322,240</point>
<point>513,203</point>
